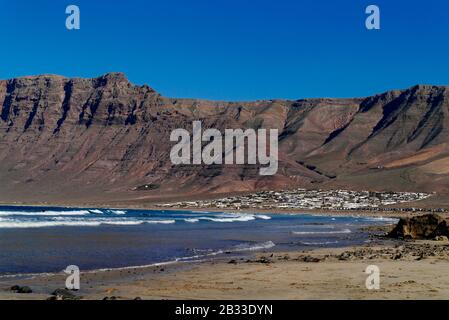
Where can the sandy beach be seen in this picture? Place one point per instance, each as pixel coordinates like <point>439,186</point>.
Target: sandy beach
<point>410,270</point>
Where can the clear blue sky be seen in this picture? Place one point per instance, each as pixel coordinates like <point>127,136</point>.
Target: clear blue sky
<point>233,49</point>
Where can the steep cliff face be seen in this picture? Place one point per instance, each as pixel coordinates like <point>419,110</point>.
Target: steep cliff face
<point>105,139</point>
<point>396,140</point>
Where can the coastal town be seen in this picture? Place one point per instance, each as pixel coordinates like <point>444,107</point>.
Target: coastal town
<point>338,200</point>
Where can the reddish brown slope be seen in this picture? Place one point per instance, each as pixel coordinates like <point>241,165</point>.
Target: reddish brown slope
<point>96,140</point>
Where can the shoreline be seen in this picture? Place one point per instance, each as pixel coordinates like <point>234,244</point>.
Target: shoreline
<point>409,271</point>
<point>316,212</point>
<point>194,257</point>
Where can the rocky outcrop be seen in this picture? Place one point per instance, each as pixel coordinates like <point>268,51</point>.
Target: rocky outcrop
<point>429,226</point>
<point>99,140</point>
<point>19,289</point>
<point>63,294</point>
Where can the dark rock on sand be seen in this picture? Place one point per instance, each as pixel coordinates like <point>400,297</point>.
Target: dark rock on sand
<point>25,290</point>
<point>407,251</point>
<point>428,226</point>
<point>63,294</point>
<point>397,256</point>
<point>346,256</point>
<point>20,289</point>
<point>262,259</point>
<point>310,259</point>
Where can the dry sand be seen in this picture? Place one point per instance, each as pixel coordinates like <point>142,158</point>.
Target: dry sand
<point>418,270</point>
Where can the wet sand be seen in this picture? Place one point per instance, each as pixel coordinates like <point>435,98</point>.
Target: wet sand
<point>411,270</point>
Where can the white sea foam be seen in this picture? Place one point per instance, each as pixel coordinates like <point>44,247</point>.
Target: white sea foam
<point>45,213</point>
<point>195,258</point>
<point>123,223</point>
<point>43,224</point>
<point>191,220</point>
<point>237,248</point>
<point>160,221</point>
<point>263,217</point>
<point>253,247</point>
<point>118,211</point>
<point>319,243</point>
<point>321,232</point>
<point>63,222</point>
<point>96,211</point>
<point>383,219</point>
<point>232,217</point>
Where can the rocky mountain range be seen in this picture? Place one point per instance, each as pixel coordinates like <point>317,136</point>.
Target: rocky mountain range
<point>105,140</point>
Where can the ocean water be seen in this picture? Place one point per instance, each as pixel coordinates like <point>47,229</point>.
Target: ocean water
<point>48,239</point>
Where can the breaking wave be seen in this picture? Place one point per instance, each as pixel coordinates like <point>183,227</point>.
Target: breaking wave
<point>229,217</point>
<point>323,243</point>
<point>238,248</point>
<point>45,213</point>
<point>382,219</point>
<point>62,222</point>
<point>160,221</point>
<point>98,217</point>
<point>253,247</point>
<point>117,211</point>
<point>232,217</point>
<point>195,258</point>
<point>263,217</point>
<point>321,232</point>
